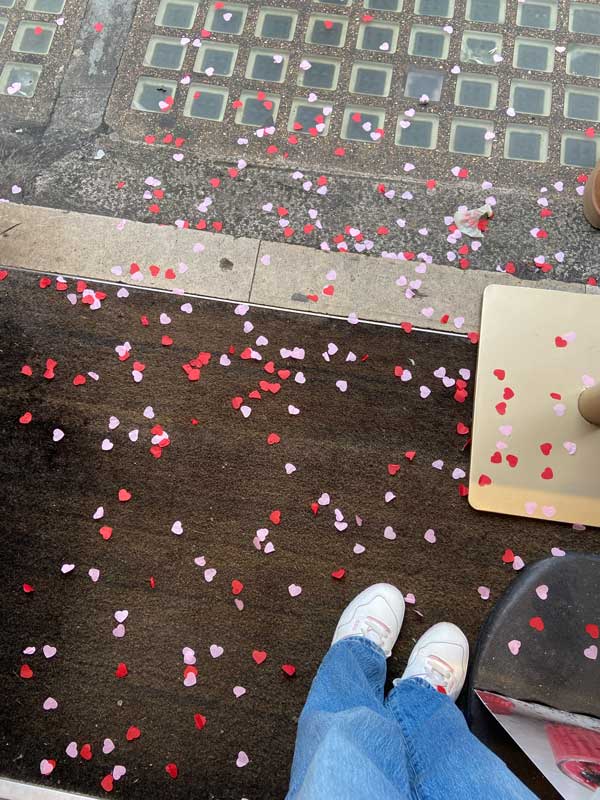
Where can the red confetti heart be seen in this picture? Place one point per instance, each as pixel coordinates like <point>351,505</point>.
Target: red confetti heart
<point>508,393</point>
<point>393,468</point>
<point>592,630</point>
<point>86,752</point>
<point>98,27</point>
<point>508,557</point>
<point>121,670</point>
<point>484,480</point>
<point>44,283</point>
<point>124,495</point>
<point>537,623</point>
<point>199,721</point>
<point>149,139</point>
<point>28,588</point>
<point>462,429</point>
<point>26,671</point>
<point>132,733</point>
<point>338,574</point>
<point>26,418</point>
<point>259,656</point>
<point>171,769</point>
<point>473,337</point>
<point>79,380</point>
<point>275,517</point>
<point>406,326</point>
<point>236,586</point>
<point>107,783</point>
<point>560,342</point>
<point>547,474</point>
<point>496,457</point>
<point>4,274</point>
<point>105,532</point>
<point>273,438</point>
<point>328,24</point>
<point>501,408</point>
<point>289,669</point>
<point>546,448</point>
<point>512,460</point>
<point>500,374</point>
<point>410,454</point>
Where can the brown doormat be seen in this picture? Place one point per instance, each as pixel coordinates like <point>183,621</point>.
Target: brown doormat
<point>179,473</point>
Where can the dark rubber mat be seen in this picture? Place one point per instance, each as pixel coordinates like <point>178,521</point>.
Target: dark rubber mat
<point>374,437</point>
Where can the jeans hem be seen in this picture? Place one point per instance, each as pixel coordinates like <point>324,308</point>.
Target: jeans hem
<point>362,641</point>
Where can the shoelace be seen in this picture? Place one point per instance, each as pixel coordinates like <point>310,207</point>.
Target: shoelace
<point>370,625</point>
<point>439,673</point>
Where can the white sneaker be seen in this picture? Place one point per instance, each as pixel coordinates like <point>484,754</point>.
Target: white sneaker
<point>440,657</point>
<point>376,613</point>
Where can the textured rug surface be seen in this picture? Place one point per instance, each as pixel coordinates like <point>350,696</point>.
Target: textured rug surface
<point>193,491</point>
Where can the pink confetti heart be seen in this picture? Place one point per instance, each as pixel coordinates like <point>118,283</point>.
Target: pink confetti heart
<point>542,591</point>
<point>458,473</point>
<point>118,772</point>
<point>294,590</point>
<point>187,308</point>
<point>484,592</point>
<point>121,616</point>
<point>94,574</point>
<point>424,391</point>
<point>29,651</point>
<point>514,646</point>
<point>289,468</point>
<point>133,435</point>
<point>557,552</point>
<point>108,746</point>
<point>570,447</point>
<point>66,568</point>
<point>505,430</point>
<point>242,759</point>
<point>358,549</point>
<point>559,409</point>
<point>149,412</point>
<point>324,499</point>
<point>389,533</point>
<point>530,507</point>
<point>50,704</point>
<point>72,750</point>
<point>410,598</point>
<point>177,528</point>
<point>106,445</point>
<point>245,411</point>
<point>239,691</point>
<point>389,496</point>
<point>57,435</point>
<point>189,680</point>
<point>216,650</point>
<point>239,604</point>
<point>341,385</point>
<point>49,650</point>
<point>518,563</point>
<point>591,652</point>
<point>548,511</point>
<point>209,574</point>
<point>427,312</point>
<point>164,319</point>
<point>98,513</point>
<point>46,767</point>
<point>437,464</point>
<point>430,536</point>
<point>119,631</point>
<point>269,548</point>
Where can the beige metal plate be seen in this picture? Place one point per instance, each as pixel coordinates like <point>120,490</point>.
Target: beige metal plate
<point>545,348</point>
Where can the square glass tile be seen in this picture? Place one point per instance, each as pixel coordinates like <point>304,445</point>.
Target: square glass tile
<point>33,37</point>
<point>428,42</point>
<point>3,24</point>
<point>534,54</point>
<point>329,31</point>
<point>276,23</point>
<point>361,124</point>
<point>383,5</point>
<point>176,14</point>
<point>530,97</point>
<point>7,3</point>
<point>19,80</point>
<point>584,18</point>
<point>582,103</point>
<point>206,102</point>
<point>308,118</point>
<point>476,91</point>
<point>434,8</point>
<point>583,60</point>
<point>45,6</point>
<point>468,136</point>
<point>480,48</point>
<point>267,65</point>
<point>150,93</point>
<point>379,36</point>
<point>537,14</point>
<point>229,18</point>
<point>423,82</point>
<point>577,150</point>
<point>525,143</point>
<point>164,53</point>
<point>491,11</point>
<point>318,72</point>
<point>371,78</point>
<point>216,58</point>
<point>258,112</point>
<point>418,131</point>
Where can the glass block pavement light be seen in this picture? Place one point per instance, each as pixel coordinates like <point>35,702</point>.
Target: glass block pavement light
<point>34,43</point>
<point>501,84</point>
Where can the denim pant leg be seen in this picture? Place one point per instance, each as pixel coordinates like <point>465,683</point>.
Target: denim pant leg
<point>348,745</point>
<point>447,760</point>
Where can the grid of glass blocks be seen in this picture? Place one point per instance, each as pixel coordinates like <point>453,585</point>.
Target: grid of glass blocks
<point>267,65</point>
<point>424,84</point>
<point>583,60</point>
<point>420,130</point>
<point>45,6</point>
<point>489,11</point>
<point>330,31</point>
<point>154,95</point>
<point>319,72</point>
<point>258,111</point>
<point>534,54</point>
<point>434,8</point>
<point>584,18</point>
<point>216,58</point>
<point>378,36</point>
<point>384,5</point>
<point>531,97</point>
<point>481,48</point>
<point>206,102</point>
<point>428,42</point>
<point>361,124</point>
<point>19,79</point>
<point>526,143</point>
<point>537,14</point>
<point>33,37</point>
<point>371,78</point>
<point>578,150</point>
<point>582,103</point>
<point>226,18</point>
<point>165,53</point>
<point>476,91</point>
<point>176,14</point>
<point>308,118</point>
<point>277,23</point>
<point>471,137</point>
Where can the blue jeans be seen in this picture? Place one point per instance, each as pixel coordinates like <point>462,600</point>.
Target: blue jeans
<point>354,744</point>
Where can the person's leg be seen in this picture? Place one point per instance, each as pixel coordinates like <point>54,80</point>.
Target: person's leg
<point>446,759</point>
<point>348,744</point>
